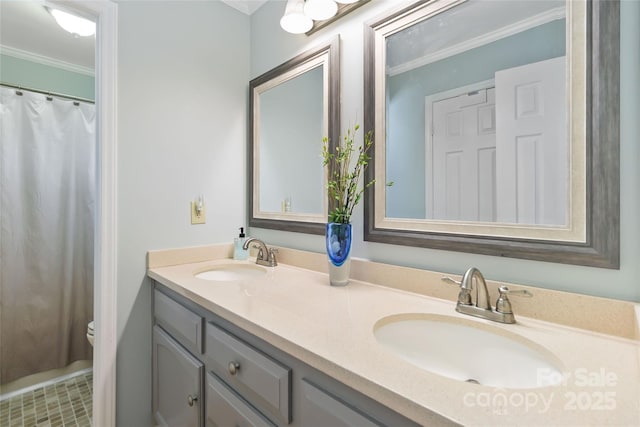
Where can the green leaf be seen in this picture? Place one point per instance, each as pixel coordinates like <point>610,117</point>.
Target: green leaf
<point>343,184</point>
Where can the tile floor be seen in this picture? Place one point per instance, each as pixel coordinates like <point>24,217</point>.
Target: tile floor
<point>65,403</point>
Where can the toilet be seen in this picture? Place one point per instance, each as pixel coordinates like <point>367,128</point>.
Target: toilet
<point>90,333</point>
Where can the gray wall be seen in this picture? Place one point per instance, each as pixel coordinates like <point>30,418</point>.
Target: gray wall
<point>182,117</point>
<point>405,100</point>
<point>271,46</point>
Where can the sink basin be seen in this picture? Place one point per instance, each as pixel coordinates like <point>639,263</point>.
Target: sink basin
<point>468,351</point>
<point>231,272</point>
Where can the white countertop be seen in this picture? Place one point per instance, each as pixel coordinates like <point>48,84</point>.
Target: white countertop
<point>331,329</point>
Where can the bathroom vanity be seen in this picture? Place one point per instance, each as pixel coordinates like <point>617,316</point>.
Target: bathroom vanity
<point>245,380</point>
<point>247,345</point>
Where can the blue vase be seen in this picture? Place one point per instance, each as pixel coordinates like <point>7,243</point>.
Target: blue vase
<point>338,239</point>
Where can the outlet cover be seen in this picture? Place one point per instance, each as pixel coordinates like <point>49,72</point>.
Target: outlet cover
<point>198,218</point>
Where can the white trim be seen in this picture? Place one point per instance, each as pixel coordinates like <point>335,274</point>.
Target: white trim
<point>45,60</point>
<point>104,404</point>
<point>105,13</point>
<point>506,31</point>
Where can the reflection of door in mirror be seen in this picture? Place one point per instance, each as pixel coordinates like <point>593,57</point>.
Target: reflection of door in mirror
<point>461,145</point>
<point>498,123</point>
<point>451,153</point>
<point>291,132</point>
<point>532,150</point>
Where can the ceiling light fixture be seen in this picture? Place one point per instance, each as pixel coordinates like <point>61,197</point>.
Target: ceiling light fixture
<point>74,24</point>
<point>294,20</point>
<point>302,16</point>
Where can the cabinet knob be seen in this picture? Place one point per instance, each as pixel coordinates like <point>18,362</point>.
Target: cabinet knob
<point>191,400</point>
<point>234,367</point>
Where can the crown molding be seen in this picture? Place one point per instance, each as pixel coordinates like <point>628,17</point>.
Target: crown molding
<point>45,60</point>
<point>500,33</point>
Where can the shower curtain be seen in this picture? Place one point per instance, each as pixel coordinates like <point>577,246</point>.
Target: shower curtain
<point>47,205</point>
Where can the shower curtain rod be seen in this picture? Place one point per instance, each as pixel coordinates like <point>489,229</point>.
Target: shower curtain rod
<point>44,92</point>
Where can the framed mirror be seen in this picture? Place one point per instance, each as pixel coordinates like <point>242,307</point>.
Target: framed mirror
<point>498,123</point>
<point>292,108</point>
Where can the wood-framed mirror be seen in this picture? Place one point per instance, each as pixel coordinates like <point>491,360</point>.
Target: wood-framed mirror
<point>498,123</point>
<point>292,108</point>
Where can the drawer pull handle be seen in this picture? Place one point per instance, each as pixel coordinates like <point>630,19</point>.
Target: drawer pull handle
<point>234,367</point>
<point>191,400</point>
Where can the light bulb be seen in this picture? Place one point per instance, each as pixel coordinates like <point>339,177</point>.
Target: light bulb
<point>294,20</point>
<point>320,10</point>
<point>74,24</point>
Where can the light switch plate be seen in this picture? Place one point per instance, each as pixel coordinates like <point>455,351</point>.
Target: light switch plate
<point>195,218</point>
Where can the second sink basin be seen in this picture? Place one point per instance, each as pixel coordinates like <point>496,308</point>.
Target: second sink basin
<point>468,351</point>
<point>231,272</point>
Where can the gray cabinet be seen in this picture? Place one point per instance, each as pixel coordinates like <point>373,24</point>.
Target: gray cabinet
<point>181,323</point>
<point>177,383</point>
<point>322,409</point>
<point>261,380</point>
<point>226,408</point>
<point>246,381</point>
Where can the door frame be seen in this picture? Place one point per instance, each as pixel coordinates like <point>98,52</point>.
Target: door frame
<point>105,14</point>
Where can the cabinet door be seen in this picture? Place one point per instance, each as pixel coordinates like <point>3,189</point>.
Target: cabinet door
<point>226,409</point>
<point>322,409</point>
<point>177,383</point>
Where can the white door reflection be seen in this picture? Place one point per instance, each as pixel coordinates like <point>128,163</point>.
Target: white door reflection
<point>497,150</point>
<point>462,158</point>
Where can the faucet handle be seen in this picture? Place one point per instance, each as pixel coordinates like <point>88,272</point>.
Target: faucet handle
<point>503,305</point>
<point>450,280</point>
<point>260,254</point>
<point>504,290</point>
<point>271,257</point>
<point>464,297</point>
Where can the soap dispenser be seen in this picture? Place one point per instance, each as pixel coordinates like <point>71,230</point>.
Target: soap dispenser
<point>238,242</point>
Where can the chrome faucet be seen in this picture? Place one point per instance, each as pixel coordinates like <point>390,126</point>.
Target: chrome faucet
<point>503,312</point>
<point>266,256</point>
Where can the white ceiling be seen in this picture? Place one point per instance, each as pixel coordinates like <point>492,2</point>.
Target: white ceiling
<point>26,27</point>
<point>245,6</point>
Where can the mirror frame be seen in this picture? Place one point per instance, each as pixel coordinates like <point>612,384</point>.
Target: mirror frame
<point>332,48</point>
<point>602,244</point>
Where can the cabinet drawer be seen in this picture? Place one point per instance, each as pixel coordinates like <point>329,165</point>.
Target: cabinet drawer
<point>265,383</point>
<point>225,408</point>
<point>322,409</point>
<point>181,323</point>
